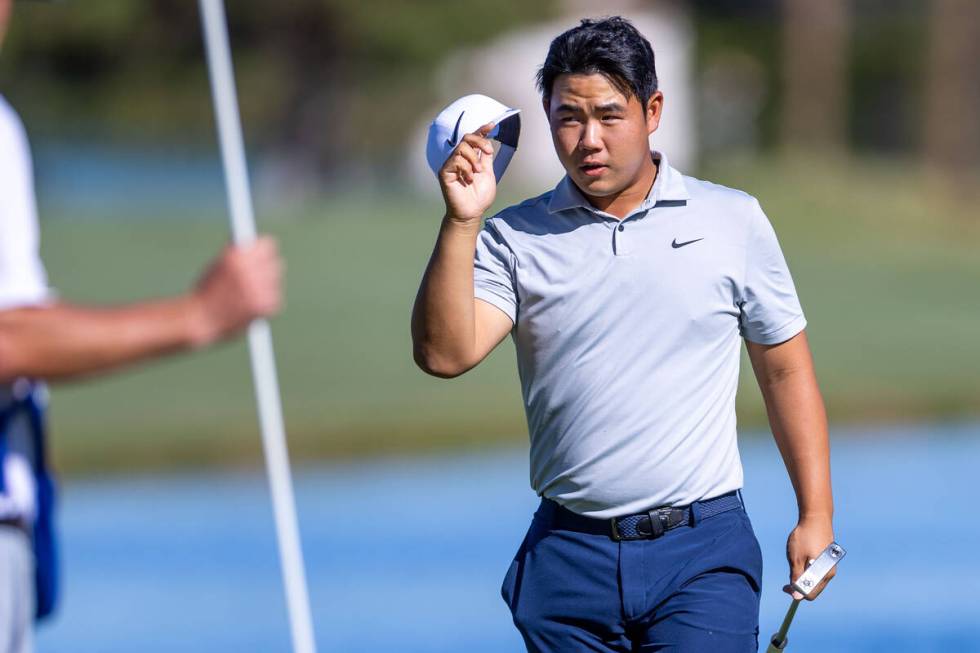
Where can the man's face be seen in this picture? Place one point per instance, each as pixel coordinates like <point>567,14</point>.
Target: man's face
<point>4,17</point>
<point>601,137</point>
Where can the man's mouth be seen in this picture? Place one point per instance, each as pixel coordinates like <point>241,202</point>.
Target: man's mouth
<point>593,169</point>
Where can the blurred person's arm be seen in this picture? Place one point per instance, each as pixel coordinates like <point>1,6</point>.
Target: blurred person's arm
<point>799,424</point>
<point>452,331</point>
<point>59,340</point>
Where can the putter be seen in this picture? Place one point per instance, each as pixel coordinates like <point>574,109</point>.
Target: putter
<point>805,584</point>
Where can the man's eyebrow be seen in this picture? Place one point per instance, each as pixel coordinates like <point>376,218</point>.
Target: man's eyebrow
<point>611,106</point>
<point>614,107</point>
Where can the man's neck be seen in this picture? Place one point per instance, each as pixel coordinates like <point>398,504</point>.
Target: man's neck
<point>621,204</point>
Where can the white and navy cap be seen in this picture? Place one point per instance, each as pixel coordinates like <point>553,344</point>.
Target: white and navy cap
<point>466,115</point>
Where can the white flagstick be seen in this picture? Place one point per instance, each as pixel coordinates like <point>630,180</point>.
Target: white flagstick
<point>259,335</point>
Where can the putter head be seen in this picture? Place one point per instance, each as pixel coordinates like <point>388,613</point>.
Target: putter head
<point>818,570</point>
<point>805,584</point>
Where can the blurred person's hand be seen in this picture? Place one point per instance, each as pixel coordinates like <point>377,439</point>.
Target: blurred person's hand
<point>805,544</point>
<point>467,180</point>
<point>5,8</point>
<point>242,284</point>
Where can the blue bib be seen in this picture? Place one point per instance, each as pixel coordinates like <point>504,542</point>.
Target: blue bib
<point>44,539</point>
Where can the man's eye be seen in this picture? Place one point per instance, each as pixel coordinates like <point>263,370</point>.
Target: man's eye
<point>567,119</point>
<point>610,118</point>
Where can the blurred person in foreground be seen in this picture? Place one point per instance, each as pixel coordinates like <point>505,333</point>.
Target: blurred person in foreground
<point>628,290</point>
<point>43,337</point>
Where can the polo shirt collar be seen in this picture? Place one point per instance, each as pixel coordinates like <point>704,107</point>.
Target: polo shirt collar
<point>669,185</point>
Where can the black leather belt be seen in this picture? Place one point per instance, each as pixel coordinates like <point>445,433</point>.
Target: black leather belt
<point>15,522</point>
<point>647,525</point>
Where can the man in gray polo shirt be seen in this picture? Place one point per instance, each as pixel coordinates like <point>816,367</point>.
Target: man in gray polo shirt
<point>628,290</point>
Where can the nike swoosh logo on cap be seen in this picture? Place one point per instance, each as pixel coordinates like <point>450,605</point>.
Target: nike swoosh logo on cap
<point>453,141</point>
<point>677,245</point>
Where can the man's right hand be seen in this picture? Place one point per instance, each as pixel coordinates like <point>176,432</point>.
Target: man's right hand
<point>467,180</point>
<point>242,284</point>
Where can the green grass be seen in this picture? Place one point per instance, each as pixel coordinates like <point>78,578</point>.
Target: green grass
<point>888,275</point>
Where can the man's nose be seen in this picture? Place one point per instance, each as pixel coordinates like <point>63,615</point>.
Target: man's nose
<point>591,136</point>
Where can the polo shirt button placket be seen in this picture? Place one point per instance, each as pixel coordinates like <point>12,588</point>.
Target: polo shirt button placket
<point>619,240</point>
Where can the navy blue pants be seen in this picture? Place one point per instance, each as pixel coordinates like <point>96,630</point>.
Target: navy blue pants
<point>695,589</point>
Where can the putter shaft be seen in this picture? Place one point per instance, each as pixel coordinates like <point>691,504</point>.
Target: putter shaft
<point>778,641</point>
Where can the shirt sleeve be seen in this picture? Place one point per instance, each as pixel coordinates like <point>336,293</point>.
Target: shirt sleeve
<point>770,310</point>
<point>23,280</point>
<point>493,271</point>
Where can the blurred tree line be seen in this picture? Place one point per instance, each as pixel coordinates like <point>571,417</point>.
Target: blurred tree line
<point>333,86</point>
<point>330,84</point>
<point>876,76</point>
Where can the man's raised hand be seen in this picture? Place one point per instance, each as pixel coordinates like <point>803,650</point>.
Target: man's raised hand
<point>467,180</point>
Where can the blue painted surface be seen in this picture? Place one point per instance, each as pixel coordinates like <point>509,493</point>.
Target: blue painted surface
<point>408,555</point>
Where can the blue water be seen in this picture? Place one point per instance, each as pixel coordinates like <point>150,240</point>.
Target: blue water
<point>166,180</point>
<point>407,555</point>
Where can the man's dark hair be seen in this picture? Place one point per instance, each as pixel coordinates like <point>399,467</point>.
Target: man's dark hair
<point>610,47</point>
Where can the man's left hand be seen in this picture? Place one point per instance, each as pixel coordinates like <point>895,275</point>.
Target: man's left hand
<point>807,541</point>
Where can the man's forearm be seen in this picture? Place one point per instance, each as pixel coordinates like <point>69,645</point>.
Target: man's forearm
<point>799,424</point>
<point>443,319</point>
<point>63,341</point>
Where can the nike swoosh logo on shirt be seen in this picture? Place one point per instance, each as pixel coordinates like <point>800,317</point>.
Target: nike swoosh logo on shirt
<point>677,245</point>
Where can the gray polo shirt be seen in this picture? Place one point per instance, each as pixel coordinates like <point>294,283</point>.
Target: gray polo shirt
<point>628,336</point>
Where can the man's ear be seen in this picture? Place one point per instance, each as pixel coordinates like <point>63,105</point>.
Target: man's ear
<point>654,110</point>
<point>546,105</point>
